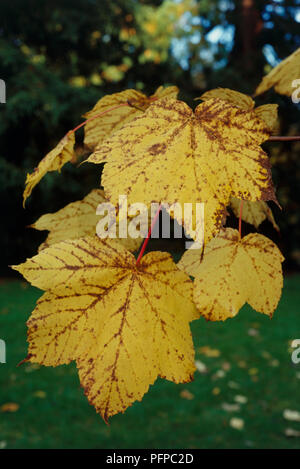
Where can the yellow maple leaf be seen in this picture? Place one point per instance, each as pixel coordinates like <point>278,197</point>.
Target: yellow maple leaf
<point>231,96</point>
<point>267,112</point>
<point>172,154</point>
<point>186,394</point>
<point>53,161</point>
<point>124,324</point>
<point>253,212</point>
<point>234,271</point>
<point>282,76</point>
<point>101,127</point>
<point>76,220</point>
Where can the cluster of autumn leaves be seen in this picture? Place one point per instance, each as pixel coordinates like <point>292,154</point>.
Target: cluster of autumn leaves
<point>126,323</point>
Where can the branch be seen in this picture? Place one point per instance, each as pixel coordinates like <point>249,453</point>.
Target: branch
<point>278,138</point>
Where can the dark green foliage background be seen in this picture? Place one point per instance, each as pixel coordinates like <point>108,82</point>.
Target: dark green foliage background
<point>42,104</point>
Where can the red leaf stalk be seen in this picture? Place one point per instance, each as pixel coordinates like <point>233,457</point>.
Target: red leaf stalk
<point>148,236</point>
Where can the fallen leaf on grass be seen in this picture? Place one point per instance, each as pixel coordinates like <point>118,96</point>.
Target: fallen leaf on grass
<point>209,352</point>
<point>290,432</point>
<point>240,399</point>
<point>233,385</point>
<point>274,363</point>
<point>40,394</point>
<point>219,374</point>
<point>236,423</point>
<point>230,407</point>
<point>226,366</point>
<point>292,415</point>
<point>201,367</point>
<point>9,407</point>
<point>254,379</point>
<point>185,394</point>
<point>266,355</point>
<point>242,364</point>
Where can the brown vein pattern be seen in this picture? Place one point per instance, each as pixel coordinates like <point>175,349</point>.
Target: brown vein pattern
<point>102,127</point>
<point>233,272</point>
<point>253,212</point>
<point>173,154</point>
<point>78,219</point>
<point>123,324</point>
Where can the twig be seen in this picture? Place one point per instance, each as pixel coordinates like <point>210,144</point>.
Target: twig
<point>278,138</point>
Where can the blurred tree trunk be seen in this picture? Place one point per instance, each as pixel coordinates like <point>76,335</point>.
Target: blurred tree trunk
<point>246,54</point>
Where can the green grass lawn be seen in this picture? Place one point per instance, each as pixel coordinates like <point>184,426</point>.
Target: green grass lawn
<point>251,358</point>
